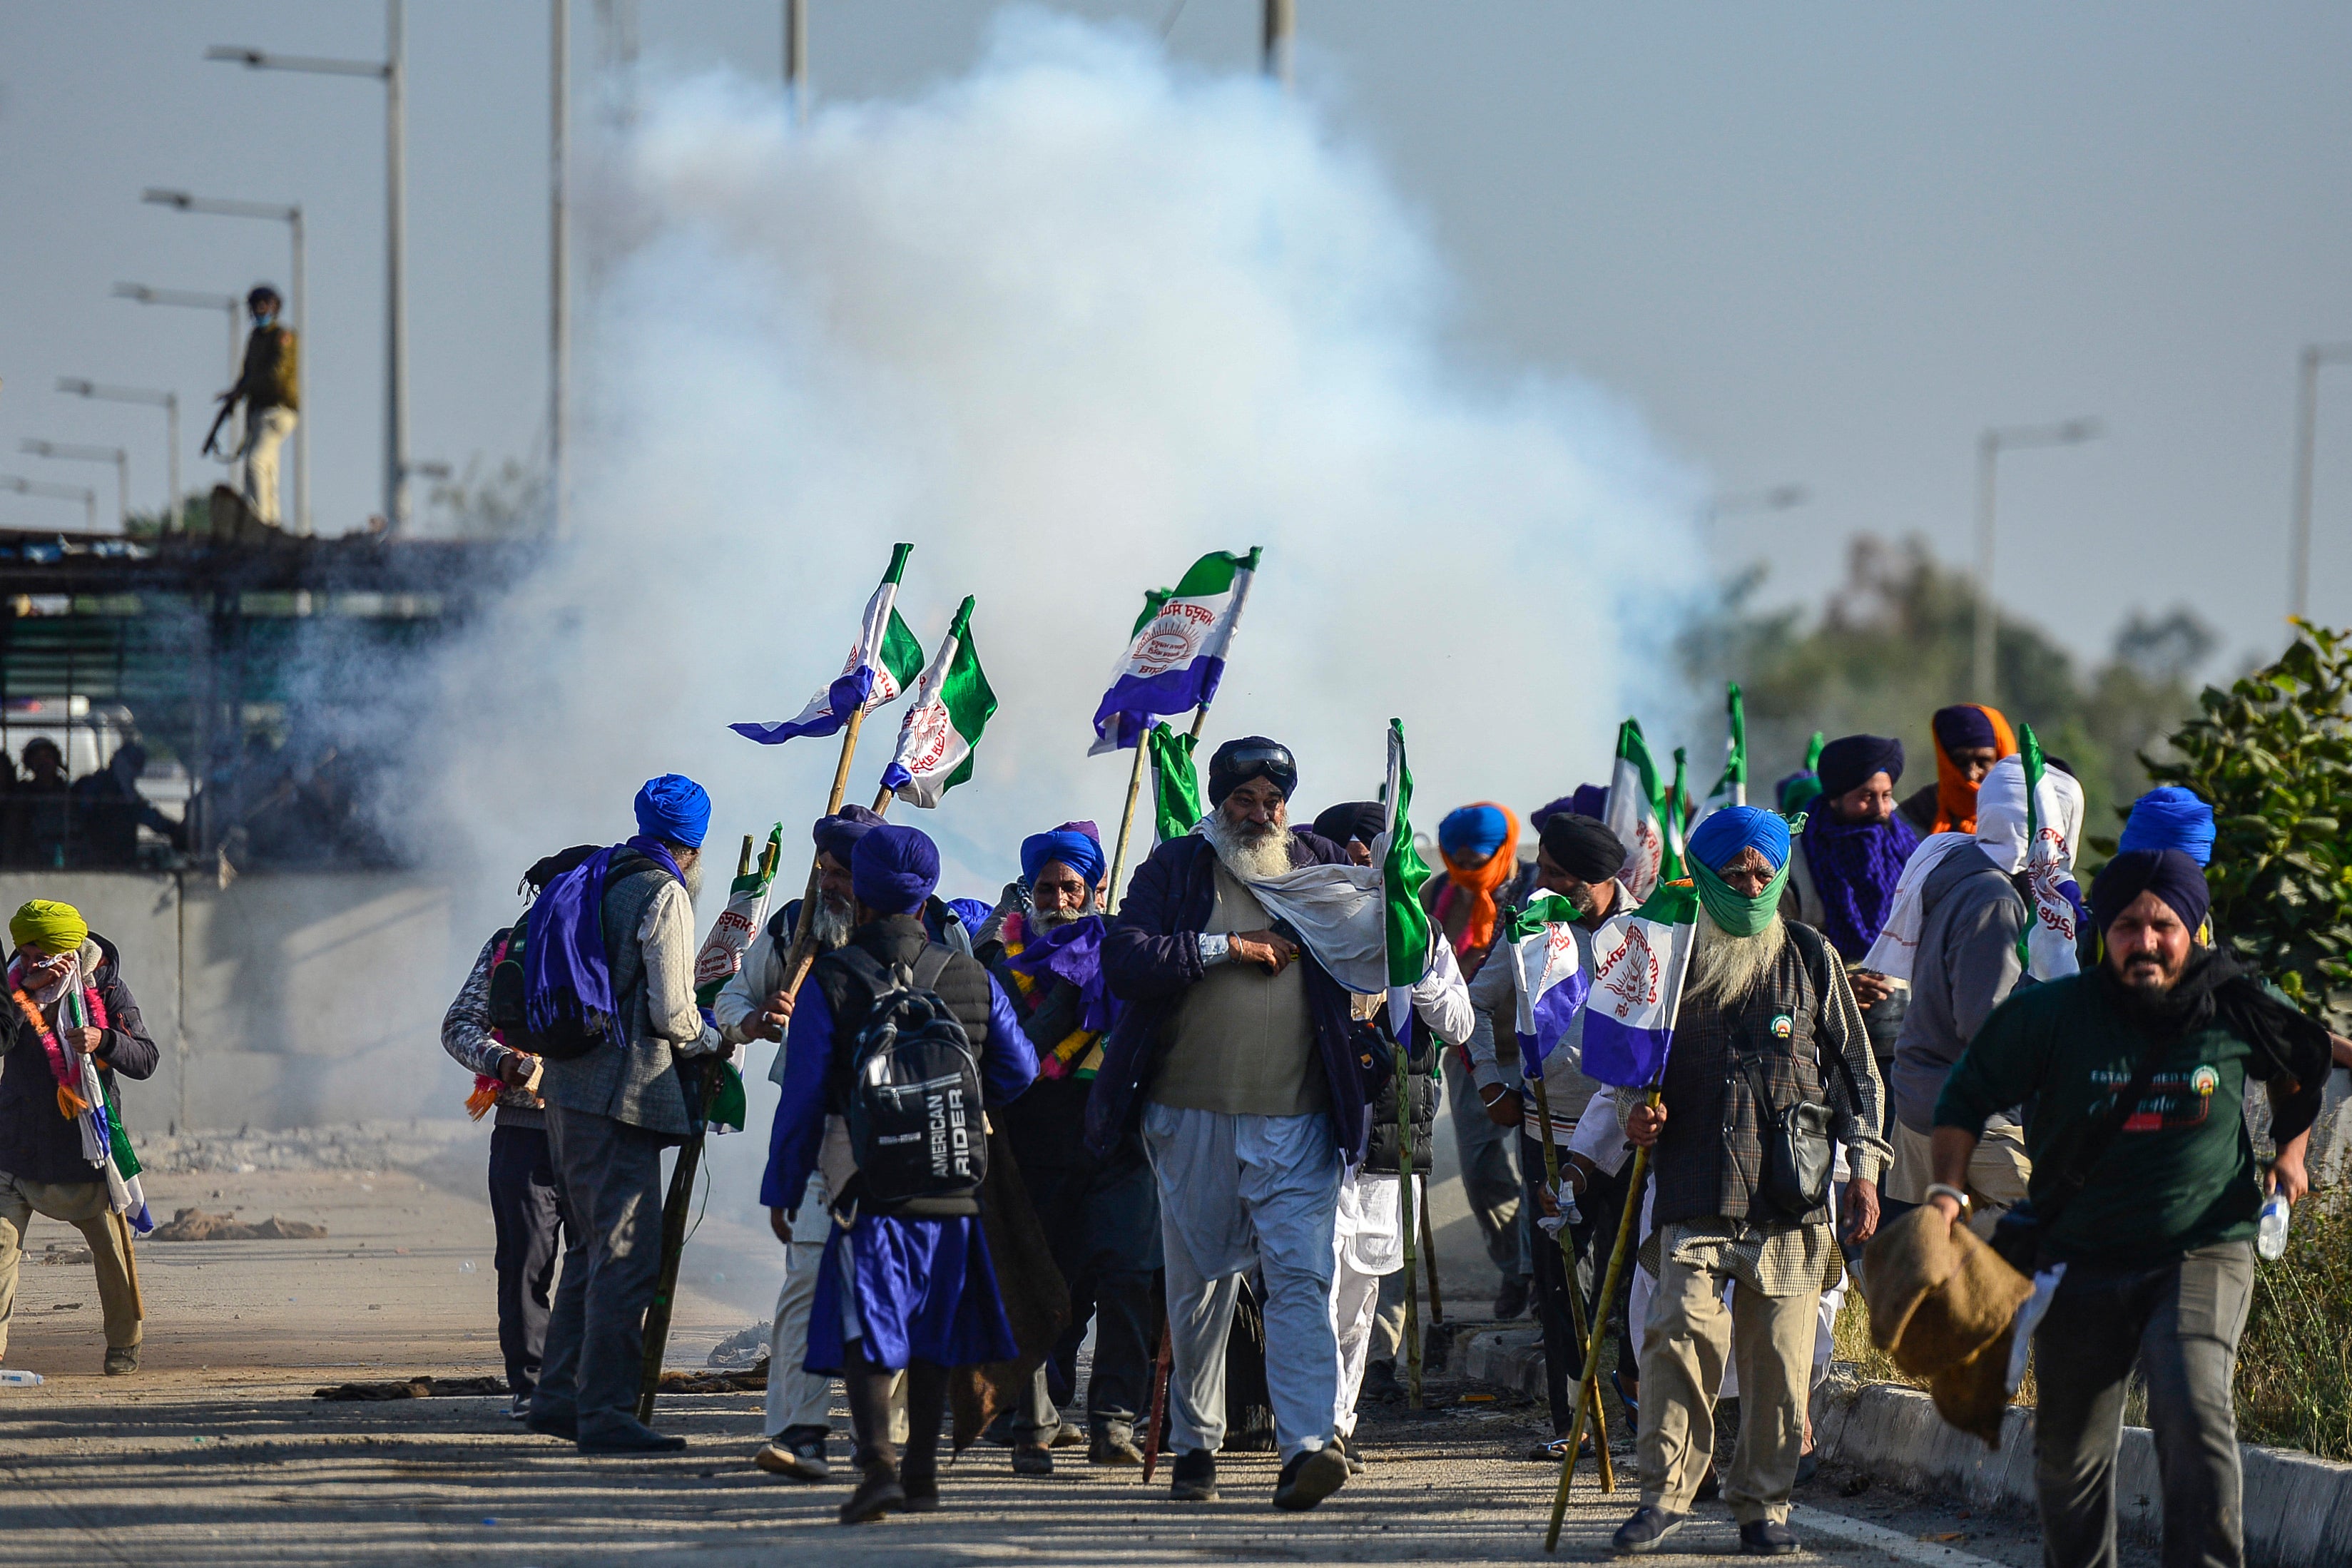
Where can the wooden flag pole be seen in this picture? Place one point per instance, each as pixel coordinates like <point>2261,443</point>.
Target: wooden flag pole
<point>1590,1384</point>
<point>805,933</point>
<point>1127,817</point>
<point>1429,1260</point>
<point>1159,1365</point>
<point>1575,1297</point>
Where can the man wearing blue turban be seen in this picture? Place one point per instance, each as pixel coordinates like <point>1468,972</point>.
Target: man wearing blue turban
<point>609,967</point>
<point>1101,1217</point>
<point>1766,1023</point>
<point>895,1291</point>
<point>2169,817</point>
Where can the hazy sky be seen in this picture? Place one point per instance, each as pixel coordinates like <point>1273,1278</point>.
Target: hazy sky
<point>1814,243</point>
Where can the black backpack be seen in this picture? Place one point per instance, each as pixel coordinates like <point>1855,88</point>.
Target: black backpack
<point>573,1036</point>
<point>914,1110</point>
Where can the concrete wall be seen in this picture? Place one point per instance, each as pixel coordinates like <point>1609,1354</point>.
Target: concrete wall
<point>282,1000</point>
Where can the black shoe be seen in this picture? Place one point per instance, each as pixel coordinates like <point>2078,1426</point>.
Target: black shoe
<point>1354,1455</point>
<point>797,1452</point>
<point>1310,1477</point>
<point>1111,1446</point>
<point>1645,1532</point>
<point>554,1423</point>
<point>1194,1477</point>
<point>1381,1385</point>
<point>1711,1485</point>
<point>1031,1459</point>
<point>922,1492</point>
<point>999,1432</point>
<point>1511,1301</point>
<point>121,1360</point>
<point>631,1436</point>
<point>877,1494</point>
<point>1762,1538</point>
<point>1809,1465</point>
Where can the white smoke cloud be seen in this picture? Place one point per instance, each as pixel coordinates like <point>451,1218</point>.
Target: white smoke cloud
<point>1065,322</point>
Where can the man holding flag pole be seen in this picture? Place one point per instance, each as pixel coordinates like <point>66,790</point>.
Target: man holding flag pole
<point>1770,1065</point>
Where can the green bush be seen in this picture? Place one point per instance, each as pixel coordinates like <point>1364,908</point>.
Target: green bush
<point>2295,1364</point>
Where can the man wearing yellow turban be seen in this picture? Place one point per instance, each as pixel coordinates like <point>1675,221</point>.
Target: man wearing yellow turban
<point>73,1028</point>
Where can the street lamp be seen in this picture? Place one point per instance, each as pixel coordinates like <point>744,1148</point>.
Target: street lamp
<point>83,493</point>
<point>169,404</point>
<point>68,452</point>
<point>1778,498</point>
<point>2306,438</point>
<point>291,217</point>
<point>1990,446</point>
<point>228,304</point>
<point>388,72</point>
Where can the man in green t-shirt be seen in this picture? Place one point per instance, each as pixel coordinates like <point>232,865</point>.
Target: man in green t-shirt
<point>2148,1223</point>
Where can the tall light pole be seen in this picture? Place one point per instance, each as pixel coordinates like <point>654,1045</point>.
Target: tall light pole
<point>291,217</point>
<point>1776,498</point>
<point>1280,34</point>
<point>83,493</point>
<point>2307,441</point>
<point>1989,446</point>
<point>796,88</point>
<point>228,304</point>
<point>169,402</point>
<point>66,451</point>
<point>388,72</point>
<point>559,106</point>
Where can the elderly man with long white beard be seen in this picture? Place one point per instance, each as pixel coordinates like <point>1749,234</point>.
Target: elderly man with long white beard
<point>1233,1055</point>
<point>1767,1028</point>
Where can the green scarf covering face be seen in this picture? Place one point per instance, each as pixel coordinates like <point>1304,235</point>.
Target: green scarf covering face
<point>1734,911</point>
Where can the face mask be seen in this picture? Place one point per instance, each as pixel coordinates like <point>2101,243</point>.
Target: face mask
<point>268,321</point>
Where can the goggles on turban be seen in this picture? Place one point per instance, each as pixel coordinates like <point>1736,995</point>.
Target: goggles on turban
<point>837,835</point>
<point>1474,832</point>
<point>2170,874</point>
<point>2170,817</point>
<point>52,927</point>
<point>673,809</point>
<point>1236,762</point>
<point>1848,762</point>
<point>1580,846</point>
<point>1077,844</point>
<point>1360,820</point>
<point>893,869</point>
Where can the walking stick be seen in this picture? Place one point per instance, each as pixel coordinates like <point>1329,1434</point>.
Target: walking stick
<point>1160,1364</point>
<point>1591,1382</point>
<point>1127,817</point>
<point>1429,1261</point>
<point>1576,1315</point>
<point>803,954</point>
<point>1405,1216</point>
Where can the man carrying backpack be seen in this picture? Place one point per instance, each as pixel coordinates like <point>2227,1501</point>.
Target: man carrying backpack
<point>896,1043</point>
<point>609,1004</point>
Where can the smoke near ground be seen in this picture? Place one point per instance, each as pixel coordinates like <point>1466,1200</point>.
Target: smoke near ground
<point>1064,323</point>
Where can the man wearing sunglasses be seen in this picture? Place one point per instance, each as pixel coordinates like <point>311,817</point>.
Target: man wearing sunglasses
<point>1232,1056</point>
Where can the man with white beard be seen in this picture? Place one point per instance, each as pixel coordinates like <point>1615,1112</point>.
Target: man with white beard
<point>1233,1055</point>
<point>755,1007</point>
<point>611,956</point>
<point>1767,1023</point>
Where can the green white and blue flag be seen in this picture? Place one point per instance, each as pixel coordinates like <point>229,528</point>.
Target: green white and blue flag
<point>1639,962</point>
<point>884,660</point>
<point>951,705</point>
<point>1177,654</point>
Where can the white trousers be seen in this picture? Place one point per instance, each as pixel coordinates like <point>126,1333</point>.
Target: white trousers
<point>1238,1194</point>
<point>1368,1244</point>
<point>798,1398</point>
<point>265,436</point>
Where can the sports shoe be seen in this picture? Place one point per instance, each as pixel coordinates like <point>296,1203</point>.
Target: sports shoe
<point>1381,1385</point>
<point>1194,1477</point>
<point>630,1437</point>
<point>520,1409</point>
<point>1809,1465</point>
<point>1068,1434</point>
<point>1762,1538</point>
<point>121,1360</point>
<point>1711,1485</point>
<point>1511,1301</point>
<point>922,1492</point>
<point>1310,1477</point>
<point>1113,1447</point>
<point>1353,1455</point>
<point>797,1452</point>
<point>563,1422</point>
<point>1645,1532</point>
<point>877,1494</point>
<point>1031,1459</point>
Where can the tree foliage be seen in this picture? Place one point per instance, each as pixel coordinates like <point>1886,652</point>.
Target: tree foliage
<point>2272,754</point>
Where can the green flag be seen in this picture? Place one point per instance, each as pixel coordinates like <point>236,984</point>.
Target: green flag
<point>2028,757</point>
<point>951,703</point>
<point>1731,789</point>
<point>1677,819</point>
<point>1401,875</point>
<point>1175,781</point>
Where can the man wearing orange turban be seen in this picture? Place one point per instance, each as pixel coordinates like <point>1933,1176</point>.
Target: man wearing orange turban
<point>1969,738</point>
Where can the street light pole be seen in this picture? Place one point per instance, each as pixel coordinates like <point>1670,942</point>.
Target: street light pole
<point>83,493</point>
<point>558,112</point>
<point>1280,32</point>
<point>390,71</point>
<point>66,451</point>
<point>291,217</point>
<point>169,402</point>
<point>1777,498</point>
<point>2307,441</point>
<point>796,60</point>
<point>228,304</point>
<point>1990,446</point>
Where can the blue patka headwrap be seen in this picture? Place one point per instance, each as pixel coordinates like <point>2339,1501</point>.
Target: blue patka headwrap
<point>1474,832</point>
<point>1726,832</point>
<point>837,835</point>
<point>1077,845</point>
<point>2170,817</point>
<point>673,807</point>
<point>893,869</point>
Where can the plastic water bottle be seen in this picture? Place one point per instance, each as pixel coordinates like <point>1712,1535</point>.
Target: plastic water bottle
<point>18,1377</point>
<point>2270,1239</point>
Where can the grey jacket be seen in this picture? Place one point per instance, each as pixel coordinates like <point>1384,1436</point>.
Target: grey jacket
<point>649,941</point>
<point>1966,965</point>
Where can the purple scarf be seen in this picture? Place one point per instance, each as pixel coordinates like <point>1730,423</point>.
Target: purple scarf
<point>567,973</point>
<point>1855,866</point>
<point>1071,952</point>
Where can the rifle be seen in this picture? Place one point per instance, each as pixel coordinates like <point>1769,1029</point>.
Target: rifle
<point>227,407</point>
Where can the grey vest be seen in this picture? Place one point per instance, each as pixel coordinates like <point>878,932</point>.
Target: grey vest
<point>636,1083</point>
